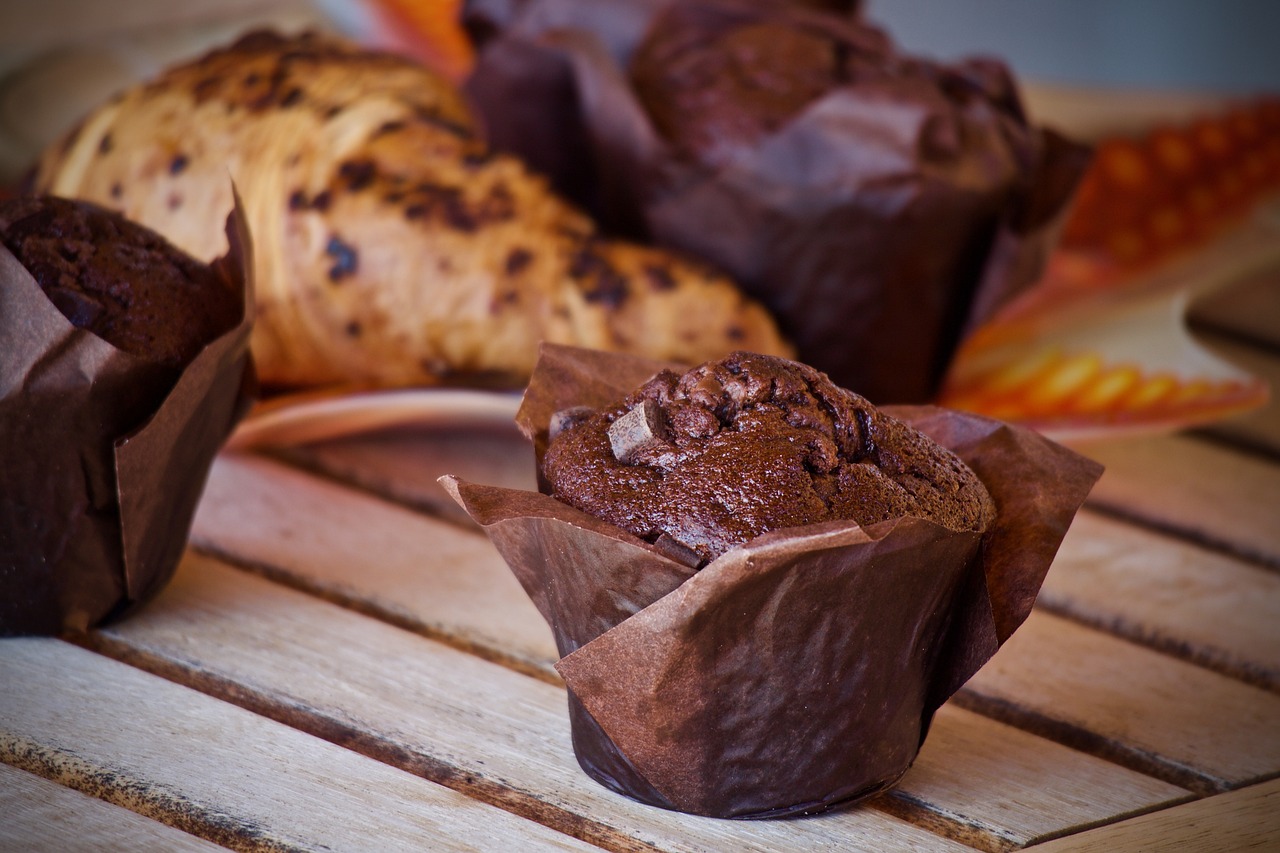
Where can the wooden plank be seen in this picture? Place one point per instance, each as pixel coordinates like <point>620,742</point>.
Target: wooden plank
<point>998,788</point>
<point>404,464</point>
<point>417,572</point>
<point>1202,606</point>
<point>1258,429</point>
<point>1248,819</point>
<point>221,772</point>
<point>43,817</point>
<point>1214,495</point>
<point>1142,709</point>
<point>503,737</point>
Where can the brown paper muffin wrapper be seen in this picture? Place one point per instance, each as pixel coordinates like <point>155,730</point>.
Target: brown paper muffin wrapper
<point>799,671</point>
<point>101,481</point>
<point>880,224</point>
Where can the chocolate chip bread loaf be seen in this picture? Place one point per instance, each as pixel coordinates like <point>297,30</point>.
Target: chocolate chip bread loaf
<point>709,459</point>
<point>392,247</point>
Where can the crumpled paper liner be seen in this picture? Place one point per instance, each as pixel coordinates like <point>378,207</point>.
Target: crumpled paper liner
<point>101,481</point>
<point>799,671</point>
<point>879,225</point>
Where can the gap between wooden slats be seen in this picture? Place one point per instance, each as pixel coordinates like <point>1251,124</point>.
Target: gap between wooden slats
<point>1178,598</point>
<point>216,771</point>
<point>1143,710</point>
<point>1247,819</point>
<point>1213,495</point>
<point>438,712</point>
<point>41,816</point>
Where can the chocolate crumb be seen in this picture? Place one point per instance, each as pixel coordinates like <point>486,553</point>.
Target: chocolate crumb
<point>178,164</point>
<point>638,430</point>
<point>117,191</point>
<point>291,97</point>
<point>565,418</point>
<point>660,278</point>
<point>104,144</point>
<point>353,329</point>
<point>345,258</point>
<point>322,200</point>
<point>518,259</point>
<point>673,549</point>
<point>357,173</point>
<point>297,200</point>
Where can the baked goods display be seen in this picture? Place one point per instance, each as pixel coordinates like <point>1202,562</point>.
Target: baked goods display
<point>880,204</point>
<point>799,668</point>
<point>125,367</point>
<point>392,247</point>
<point>711,458</point>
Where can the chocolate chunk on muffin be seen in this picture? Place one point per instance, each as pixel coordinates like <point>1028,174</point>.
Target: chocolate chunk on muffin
<point>735,448</point>
<point>119,280</point>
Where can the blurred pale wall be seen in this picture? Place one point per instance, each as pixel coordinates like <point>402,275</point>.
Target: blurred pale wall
<point>1222,46</point>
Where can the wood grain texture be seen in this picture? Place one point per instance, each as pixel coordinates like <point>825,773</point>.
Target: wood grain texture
<point>404,464</point>
<point>1248,819</point>
<point>481,728</point>
<point>998,788</point>
<point>1199,605</point>
<point>503,737</point>
<point>1209,493</point>
<point>44,817</point>
<point>417,572</point>
<point>217,771</point>
<point>1140,708</point>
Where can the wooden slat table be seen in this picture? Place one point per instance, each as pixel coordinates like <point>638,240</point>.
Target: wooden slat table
<point>343,662</point>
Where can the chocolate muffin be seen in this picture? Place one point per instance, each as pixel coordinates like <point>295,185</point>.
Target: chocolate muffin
<point>119,280</point>
<point>712,92</point>
<point>706,460</point>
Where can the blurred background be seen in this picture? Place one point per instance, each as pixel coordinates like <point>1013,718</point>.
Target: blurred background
<point>1159,57</point>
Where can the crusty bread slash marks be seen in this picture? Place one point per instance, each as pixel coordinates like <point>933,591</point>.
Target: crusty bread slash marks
<point>392,247</point>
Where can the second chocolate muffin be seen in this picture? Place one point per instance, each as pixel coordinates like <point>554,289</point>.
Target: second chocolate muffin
<point>709,459</point>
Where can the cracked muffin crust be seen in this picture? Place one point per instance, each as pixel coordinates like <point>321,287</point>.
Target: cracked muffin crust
<point>706,460</point>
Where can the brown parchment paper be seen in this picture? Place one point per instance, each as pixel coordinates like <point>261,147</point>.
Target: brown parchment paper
<point>879,224</point>
<point>794,673</point>
<point>100,480</point>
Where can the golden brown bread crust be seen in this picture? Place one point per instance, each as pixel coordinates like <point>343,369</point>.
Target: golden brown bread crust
<point>391,247</point>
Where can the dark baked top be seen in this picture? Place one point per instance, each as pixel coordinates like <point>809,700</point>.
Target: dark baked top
<point>117,279</point>
<point>752,443</point>
<point>716,79</point>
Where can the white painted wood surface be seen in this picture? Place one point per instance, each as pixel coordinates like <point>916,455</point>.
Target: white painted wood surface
<point>213,769</point>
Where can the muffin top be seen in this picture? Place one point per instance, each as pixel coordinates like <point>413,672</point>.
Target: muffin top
<point>735,448</point>
<point>121,281</point>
